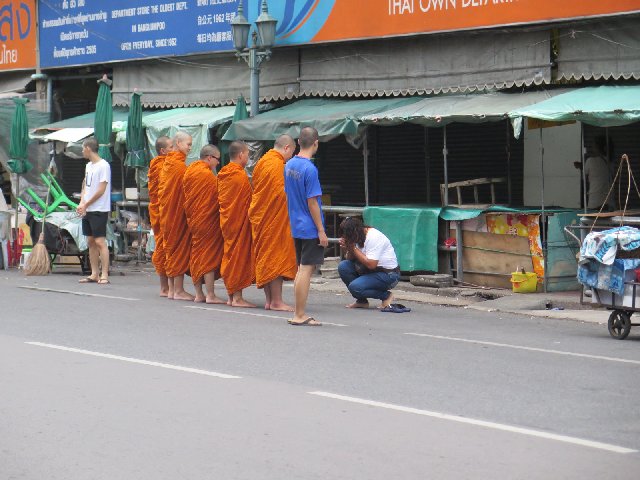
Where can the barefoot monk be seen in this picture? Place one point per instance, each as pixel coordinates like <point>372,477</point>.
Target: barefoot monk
<point>272,240</point>
<point>163,146</point>
<point>234,194</point>
<point>173,221</point>
<point>203,217</point>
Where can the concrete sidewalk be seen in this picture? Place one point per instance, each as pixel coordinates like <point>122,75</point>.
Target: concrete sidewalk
<point>564,305</point>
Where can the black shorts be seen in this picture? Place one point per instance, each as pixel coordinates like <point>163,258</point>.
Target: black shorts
<point>309,251</point>
<point>94,224</point>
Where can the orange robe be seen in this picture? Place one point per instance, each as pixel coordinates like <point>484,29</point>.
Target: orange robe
<point>272,241</point>
<point>173,221</point>
<point>203,216</point>
<point>155,167</point>
<point>234,195</point>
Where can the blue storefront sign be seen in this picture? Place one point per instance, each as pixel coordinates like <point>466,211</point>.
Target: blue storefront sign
<point>80,32</point>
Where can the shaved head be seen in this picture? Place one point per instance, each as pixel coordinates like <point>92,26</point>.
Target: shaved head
<point>183,142</point>
<point>163,143</point>
<point>308,136</point>
<point>285,145</point>
<point>209,150</point>
<point>284,140</point>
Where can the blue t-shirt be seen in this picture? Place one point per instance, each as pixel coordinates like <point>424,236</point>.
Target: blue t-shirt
<point>300,183</point>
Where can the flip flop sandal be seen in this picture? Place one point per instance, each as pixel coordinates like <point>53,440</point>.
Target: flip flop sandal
<point>393,308</point>
<point>306,323</point>
<point>103,281</point>
<point>87,280</point>
<point>399,306</point>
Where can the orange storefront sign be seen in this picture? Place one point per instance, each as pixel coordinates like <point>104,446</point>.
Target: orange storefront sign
<point>17,34</point>
<point>351,19</point>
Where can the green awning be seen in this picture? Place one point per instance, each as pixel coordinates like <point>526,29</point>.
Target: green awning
<point>606,106</point>
<point>473,108</point>
<point>330,117</point>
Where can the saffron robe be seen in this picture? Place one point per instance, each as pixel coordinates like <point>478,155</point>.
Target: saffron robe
<point>155,167</point>
<point>173,221</point>
<point>234,195</point>
<point>203,217</point>
<point>272,241</point>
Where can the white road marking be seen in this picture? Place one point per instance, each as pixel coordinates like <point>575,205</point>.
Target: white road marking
<point>254,314</point>
<point>80,294</point>
<point>135,360</point>
<point>481,423</point>
<point>531,349</point>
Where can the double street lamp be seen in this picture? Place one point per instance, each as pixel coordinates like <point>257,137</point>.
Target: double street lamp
<point>262,39</point>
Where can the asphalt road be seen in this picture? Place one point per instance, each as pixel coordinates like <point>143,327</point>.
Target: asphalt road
<point>126,385</point>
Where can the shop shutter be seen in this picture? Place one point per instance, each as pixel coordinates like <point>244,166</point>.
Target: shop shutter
<point>475,151</point>
<point>400,168</point>
<point>341,171</point>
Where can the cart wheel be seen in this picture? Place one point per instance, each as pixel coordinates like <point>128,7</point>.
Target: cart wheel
<point>619,324</point>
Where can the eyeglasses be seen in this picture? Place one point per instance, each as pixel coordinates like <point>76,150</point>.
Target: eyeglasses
<point>213,156</point>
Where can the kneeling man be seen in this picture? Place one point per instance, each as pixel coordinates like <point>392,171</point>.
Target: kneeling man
<point>371,268</point>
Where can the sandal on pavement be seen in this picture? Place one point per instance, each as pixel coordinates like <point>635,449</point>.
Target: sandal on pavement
<point>103,281</point>
<point>87,280</point>
<point>395,308</point>
<point>309,322</point>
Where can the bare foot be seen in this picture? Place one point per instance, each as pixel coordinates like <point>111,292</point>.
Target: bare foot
<point>183,296</point>
<point>358,305</point>
<point>242,303</point>
<point>164,293</point>
<point>229,302</point>
<point>200,299</point>
<point>170,294</point>
<point>267,306</point>
<point>282,307</point>
<point>387,302</point>
<point>215,300</point>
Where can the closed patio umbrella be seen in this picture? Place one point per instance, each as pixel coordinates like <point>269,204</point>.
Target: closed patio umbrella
<point>18,161</point>
<point>136,153</point>
<point>103,123</point>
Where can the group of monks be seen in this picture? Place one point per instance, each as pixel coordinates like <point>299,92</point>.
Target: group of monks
<point>223,226</point>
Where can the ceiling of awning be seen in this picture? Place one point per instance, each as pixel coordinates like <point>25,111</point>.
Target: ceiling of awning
<point>86,120</point>
<point>68,135</point>
<point>331,117</point>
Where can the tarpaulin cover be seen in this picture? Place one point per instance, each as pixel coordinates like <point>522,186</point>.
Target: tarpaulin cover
<point>606,106</point>
<point>413,232</point>
<point>473,108</point>
<point>329,116</point>
<point>195,121</point>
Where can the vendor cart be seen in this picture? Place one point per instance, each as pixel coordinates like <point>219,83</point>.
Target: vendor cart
<point>614,286</point>
<point>619,323</point>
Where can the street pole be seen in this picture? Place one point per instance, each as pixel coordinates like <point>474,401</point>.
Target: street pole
<point>254,66</point>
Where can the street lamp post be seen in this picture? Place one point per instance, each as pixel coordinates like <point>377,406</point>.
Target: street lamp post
<point>262,39</point>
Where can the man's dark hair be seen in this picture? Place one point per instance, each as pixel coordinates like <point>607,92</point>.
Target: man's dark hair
<point>91,143</point>
<point>236,148</point>
<point>162,142</point>
<point>308,135</point>
<point>352,229</point>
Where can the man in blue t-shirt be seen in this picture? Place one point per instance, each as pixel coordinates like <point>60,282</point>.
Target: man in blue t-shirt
<point>302,186</point>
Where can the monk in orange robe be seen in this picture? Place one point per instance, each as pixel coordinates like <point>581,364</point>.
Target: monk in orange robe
<point>272,241</point>
<point>234,194</point>
<point>173,221</point>
<point>203,216</point>
<point>163,146</point>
